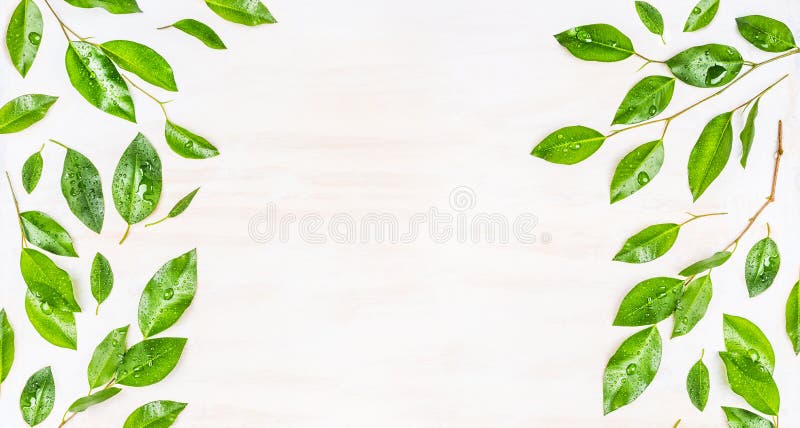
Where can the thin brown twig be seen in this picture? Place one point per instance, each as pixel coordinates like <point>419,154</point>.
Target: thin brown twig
<point>16,206</point>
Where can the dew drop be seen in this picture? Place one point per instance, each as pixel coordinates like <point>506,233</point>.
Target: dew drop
<point>168,293</point>
<point>652,111</point>
<point>46,309</point>
<point>35,38</point>
<point>584,36</point>
<point>643,178</point>
<point>696,11</point>
<point>753,354</point>
<point>631,369</point>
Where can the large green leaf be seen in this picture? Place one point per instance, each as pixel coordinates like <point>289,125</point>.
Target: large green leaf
<point>113,6</point>
<point>48,281</point>
<point>38,397</point>
<point>101,279</point>
<point>141,61</point>
<point>649,302</point>
<point>90,400</point>
<point>636,170</point>
<point>23,111</point>
<point>716,260</point>
<point>707,66</point>
<point>150,361</point>
<point>569,145</point>
<point>187,144</point>
<point>650,17</point>
<point>702,15</point>
<point>24,35</point>
<point>200,31</point>
<point>107,358</point>
<point>83,190</point>
<point>710,154</point>
<point>32,171</point>
<point>247,12</point>
<point>168,293</point>
<point>56,326</point>
<point>631,369</point>
<point>751,381</point>
<point>44,232</point>
<point>596,42</point>
<point>136,187</point>
<point>649,244</point>
<point>761,266</point>
<point>698,385</point>
<point>745,338</point>
<point>156,414</point>
<point>741,418</point>
<point>749,132</point>
<point>793,317</point>
<point>6,346</point>
<point>766,33</point>
<point>96,78</point>
<point>649,97</point>
<point>692,305</point>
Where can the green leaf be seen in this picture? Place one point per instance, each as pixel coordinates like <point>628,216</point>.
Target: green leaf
<point>761,266</point>
<point>596,42</point>
<point>23,111</point>
<point>766,33</point>
<point>107,358</point>
<point>716,260</point>
<point>6,346</point>
<point>168,293</point>
<point>745,338</point>
<point>56,326</point>
<point>247,12</point>
<point>44,232</point>
<point>96,78</point>
<point>636,170</point>
<point>113,6</point>
<point>569,145</point>
<point>692,305</point>
<point>707,66</point>
<point>649,244</point>
<point>141,61</point>
<point>183,204</point>
<point>649,302</point>
<point>186,144</point>
<point>753,382</point>
<point>156,414</point>
<point>136,187</point>
<point>645,100</point>
<point>200,31</point>
<point>793,317</point>
<point>32,171</point>
<point>698,385</point>
<point>749,132</point>
<point>101,279</point>
<point>710,154</point>
<point>38,397</point>
<point>702,15</point>
<point>150,361</point>
<point>631,369</point>
<point>49,282</point>
<point>24,35</point>
<point>83,190</point>
<point>741,418</point>
<point>651,18</point>
<point>90,400</point>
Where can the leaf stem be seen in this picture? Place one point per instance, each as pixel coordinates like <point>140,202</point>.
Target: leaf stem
<point>696,216</point>
<point>125,236</point>
<point>676,424</point>
<point>164,27</point>
<point>64,27</point>
<point>148,94</point>
<point>156,222</point>
<point>760,94</point>
<point>60,144</point>
<point>16,206</point>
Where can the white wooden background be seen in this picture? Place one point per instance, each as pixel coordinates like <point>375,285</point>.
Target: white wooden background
<point>362,106</point>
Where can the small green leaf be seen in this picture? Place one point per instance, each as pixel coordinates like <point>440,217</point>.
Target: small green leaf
<point>766,33</point>
<point>716,260</point>
<point>23,111</point>
<point>38,397</point>
<point>247,12</point>
<point>793,317</point>
<point>83,190</point>
<point>569,145</point>
<point>96,78</point>
<point>651,18</point>
<point>636,170</point>
<point>692,305</point>
<point>56,326</point>
<point>141,61</point>
<point>179,207</point>
<point>189,145</point>
<point>32,171</point>
<point>150,361</point>
<point>596,42</point>
<point>645,100</point>
<point>113,6</point>
<point>24,35</point>
<point>101,279</point>
<point>741,418</point>
<point>707,66</point>
<point>49,282</point>
<point>90,400</point>
<point>631,369</point>
<point>649,244</point>
<point>168,293</point>
<point>749,132</point>
<point>42,231</point>
<point>6,346</point>
<point>698,385</point>
<point>710,154</point>
<point>156,414</point>
<point>752,382</point>
<point>702,15</point>
<point>649,302</point>
<point>136,187</point>
<point>761,266</point>
<point>200,31</point>
<point>745,338</point>
<point>107,358</point>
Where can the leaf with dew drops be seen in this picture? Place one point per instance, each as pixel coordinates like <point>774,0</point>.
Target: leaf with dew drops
<point>692,305</point>
<point>101,279</point>
<point>97,79</point>
<point>596,42</point>
<point>55,325</point>
<point>793,317</point>
<point>765,33</point>
<point>707,66</point>
<point>246,12</point>
<point>32,171</point>
<point>761,266</point>
<point>569,145</point>
<point>24,35</point>
<point>649,302</point>
<point>44,232</point>
<point>710,154</point>
<point>112,6</point>
<point>107,358</point>
<point>631,369</point>
<point>749,132</point>
<point>200,31</point>
<point>645,100</point>
<point>168,294</point>
<point>741,418</point>
<point>651,18</point>
<point>698,384</point>
<point>22,112</point>
<point>38,397</point>
<point>702,15</point>
<point>188,144</point>
<point>150,361</point>
<point>636,170</point>
<point>83,190</point>
<point>136,187</point>
<point>156,414</point>
<point>6,346</point>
